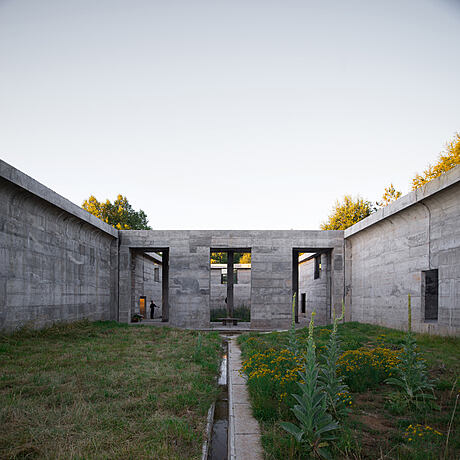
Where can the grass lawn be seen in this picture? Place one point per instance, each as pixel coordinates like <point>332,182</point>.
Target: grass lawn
<point>106,390</point>
<point>377,425</point>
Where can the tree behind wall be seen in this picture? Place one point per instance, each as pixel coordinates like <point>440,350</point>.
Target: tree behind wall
<point>119,214</point>
<point>238,258</point>
<point>348,212</point>
<point>390,195</point>
<point>447,160</point>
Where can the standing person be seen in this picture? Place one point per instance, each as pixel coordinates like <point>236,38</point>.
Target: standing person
<point>152,309</point>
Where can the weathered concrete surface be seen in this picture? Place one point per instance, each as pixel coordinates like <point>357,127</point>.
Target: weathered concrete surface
<point>244,432</point>
<point>189,270</point>
<point>387,252</point>
<point>57,261</point>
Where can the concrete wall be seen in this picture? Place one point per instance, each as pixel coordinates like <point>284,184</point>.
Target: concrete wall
<point>387,252</point>
<point>241,290</point>
<point>317,290</point>
<point>189,270</point>
<point>57,262</point>
<point>145,283</point>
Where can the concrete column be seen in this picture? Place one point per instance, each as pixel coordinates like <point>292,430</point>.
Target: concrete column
<point>165,286</point>
<point>230,284</point>
<point>295,282</point>
<point>326,273</point>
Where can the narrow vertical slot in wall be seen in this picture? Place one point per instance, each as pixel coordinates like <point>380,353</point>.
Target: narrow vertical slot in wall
<point>430,294</point>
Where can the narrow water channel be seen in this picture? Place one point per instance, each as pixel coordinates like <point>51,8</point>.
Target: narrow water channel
<point>219,435</point>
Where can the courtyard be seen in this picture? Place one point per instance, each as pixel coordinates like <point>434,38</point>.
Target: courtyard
<point>106,390</point>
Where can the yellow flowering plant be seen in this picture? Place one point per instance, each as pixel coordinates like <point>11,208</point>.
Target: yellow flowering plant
<point>422,434</point>
<point>367,367</point>
<point>333,383</point>
<point>410,375</point>
<point>315,428</point>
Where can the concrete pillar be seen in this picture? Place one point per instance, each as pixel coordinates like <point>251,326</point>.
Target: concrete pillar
<point>230,284</point>
<point>295,282</point>
<point>165,286</point>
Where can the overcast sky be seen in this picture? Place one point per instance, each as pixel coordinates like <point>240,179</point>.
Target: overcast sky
<point>227,114</point>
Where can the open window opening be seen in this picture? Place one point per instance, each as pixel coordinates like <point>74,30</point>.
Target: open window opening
<point>150,285</point>
<point>311,282</point>
<point>430,294</point>
<point>230,296</point>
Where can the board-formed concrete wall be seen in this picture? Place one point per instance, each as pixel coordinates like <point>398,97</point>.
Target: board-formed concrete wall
<point>387,252</point>
<point>57,261</point>
<point>60,263</point>
<point>189,270</point>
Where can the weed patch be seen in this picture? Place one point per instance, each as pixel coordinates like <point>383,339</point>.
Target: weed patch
<point>106,390</point>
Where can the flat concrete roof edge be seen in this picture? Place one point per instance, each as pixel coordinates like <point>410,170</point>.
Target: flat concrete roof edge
<point>13,175</point>
<point>236,232</point>
<point>442,182</point>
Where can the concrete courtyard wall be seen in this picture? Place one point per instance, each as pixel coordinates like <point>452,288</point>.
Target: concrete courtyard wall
<point>57,261</point>
<point>189,270</point>
<point>387,252</point>
<point>60,263</point>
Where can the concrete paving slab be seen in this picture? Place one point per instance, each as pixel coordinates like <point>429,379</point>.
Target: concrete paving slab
<point>244,431</point>
<point>248,447</point>
<point>237,377</point>
<point>244,421</point>
<point>240,394</point>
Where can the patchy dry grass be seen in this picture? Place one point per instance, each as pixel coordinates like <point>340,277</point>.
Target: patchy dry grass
<point>377,427</point>
<point>105,390</point>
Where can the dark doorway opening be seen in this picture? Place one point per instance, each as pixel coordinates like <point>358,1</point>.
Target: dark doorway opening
<point>150,284</point>
<point>430,294</point>
<point>230,296</point>
<point>311,280</point>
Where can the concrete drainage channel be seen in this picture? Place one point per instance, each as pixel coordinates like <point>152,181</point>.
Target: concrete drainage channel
<point>232,432</point>
<point>216,445</point>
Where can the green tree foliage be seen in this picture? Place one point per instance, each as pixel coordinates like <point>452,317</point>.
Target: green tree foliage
<point>347,213</point>
<point>238,258</point>
<point>447,160</point>
<point>119,214</point>
<point>390,195</point>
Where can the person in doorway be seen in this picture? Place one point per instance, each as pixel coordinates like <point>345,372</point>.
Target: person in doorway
<point>152,309</point>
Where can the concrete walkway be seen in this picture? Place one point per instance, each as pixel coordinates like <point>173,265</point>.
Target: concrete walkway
<point>244,432</point>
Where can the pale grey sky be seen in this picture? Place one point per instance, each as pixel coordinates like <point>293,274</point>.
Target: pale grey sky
<point>227,114</point>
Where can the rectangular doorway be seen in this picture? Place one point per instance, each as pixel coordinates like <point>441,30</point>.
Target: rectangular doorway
<point>311,283</point>
<point>230,296</point>
<point>150,284</point>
